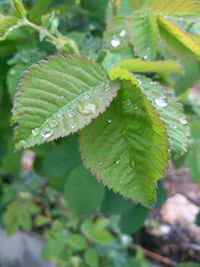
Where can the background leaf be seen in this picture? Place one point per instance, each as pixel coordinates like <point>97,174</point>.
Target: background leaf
<point>7,25</point>
<point>83,193</point>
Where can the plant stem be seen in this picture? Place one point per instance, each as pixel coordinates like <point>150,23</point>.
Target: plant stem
<point>57,41</point>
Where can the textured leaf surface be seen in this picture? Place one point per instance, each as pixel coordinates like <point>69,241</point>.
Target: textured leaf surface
<point>82,191</point>
<point>115,33</point>
<point>180,7</point>
<point>143,34</point>
<point>138,65</point>
<point>171,112</point>
<point>178,40</point>
<point>131,152</point>
<point>8,24</point>
<point>59,97</point>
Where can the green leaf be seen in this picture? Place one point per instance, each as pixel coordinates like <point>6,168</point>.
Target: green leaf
<point>90,258</point>
<point>7,25</point>
<point>83,193</point>
<point>133,221</point>
<point>176,7</point>
<point>188,264</point>
<point>178,40</point>
<point>18,5</point>
<point>58,97</point>
<point>190,77</point>
<point>115,204</point>
<point>76,242</point>
<point>193,156</point>
<point>143,34</point>
<point>171,112</point>
<point>115,33</point>
<point>138,4</point>
<point>65,157</point>
<point>131,152</point>
<point>138,65</point>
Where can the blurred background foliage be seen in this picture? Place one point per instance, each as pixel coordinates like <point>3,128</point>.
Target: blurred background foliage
<point>84,223</point>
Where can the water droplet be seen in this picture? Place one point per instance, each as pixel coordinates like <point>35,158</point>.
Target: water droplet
<point>46,133</point>
<point>73,125</point>
<point>183,120</point>
<point>132,163</point>
<point>100,163</point>
<point>128,102</point>
<point>117,161</point>
<point>175,127</point>
<point>100,95</point>
<point>87,96</point>
<point>87,109</point>
<point>21,144</point>
<point>35,132</point>
<point>122,33</point>
<point>109,120</point>
<point>161,101</point>
<point>107,87</point>
<point>59,114</point>
<point>115,42</point>
<point>53,124</point>
<point>71,113</point>
<point>135,107</point>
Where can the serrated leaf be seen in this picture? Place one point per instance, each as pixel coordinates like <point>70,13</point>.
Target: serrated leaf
<point>176,7</point>
<point>7,25</point>
<point>171,112</point>
<point>131,152</point>
<point>58,97</point>
<point>138,65</point>
<point>83,193</point>
<point>115,33</point>
<point>178,40</point>
<point>143,34</point>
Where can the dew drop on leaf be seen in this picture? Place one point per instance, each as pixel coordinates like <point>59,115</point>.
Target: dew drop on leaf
<point>35,132</point>
<point>53,124</point>
<point>122,33</point>
<point>59,114</point>
<point>161,101</point>
<point>183,120</point>
<point>115,42</point>
<point>106,89</point>
<point>132,164</point>
<point>73,125</point>
<point>87,109</point>
<point>100,163</point>
<point>109,120</point>
<point>87,96</point>
<point>117,161</point>
<point>128,102</point>
<point>71,113</point>
<point>46,133</point>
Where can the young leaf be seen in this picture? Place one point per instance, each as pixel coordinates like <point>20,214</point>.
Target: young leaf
<point>18,5</point>
<point>131,152</point>
<point>7,25</point>
<point>178,40</point>
<point>58,97</point>
<point>138,65</point>
<point>143,34</point>
<point>176,7</point>
<point>115,33</point>
<point>171,112</point>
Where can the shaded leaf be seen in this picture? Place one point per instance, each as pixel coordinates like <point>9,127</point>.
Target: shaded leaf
<point>136,139</point>
<point>58,97</point>
<point>83,193</point>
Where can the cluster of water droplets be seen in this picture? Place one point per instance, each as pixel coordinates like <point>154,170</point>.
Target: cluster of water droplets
<point>118,39</point>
